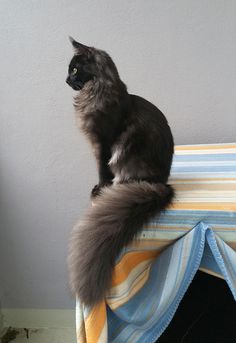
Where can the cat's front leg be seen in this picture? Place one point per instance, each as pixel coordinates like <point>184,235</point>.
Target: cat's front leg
<point>104,171</point>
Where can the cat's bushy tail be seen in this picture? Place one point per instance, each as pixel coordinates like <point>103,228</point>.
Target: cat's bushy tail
<point>118,214</point>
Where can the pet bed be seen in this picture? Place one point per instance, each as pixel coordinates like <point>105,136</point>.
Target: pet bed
<point>151,276</point>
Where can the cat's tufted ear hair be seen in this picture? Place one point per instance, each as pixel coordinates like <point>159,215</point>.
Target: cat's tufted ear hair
<point>78,47</point>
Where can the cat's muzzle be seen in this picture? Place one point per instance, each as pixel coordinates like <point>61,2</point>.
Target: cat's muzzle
<point>76,86</point>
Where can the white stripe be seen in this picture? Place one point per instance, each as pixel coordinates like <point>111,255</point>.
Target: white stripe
<point>203,175</point>
<point>206,152</point>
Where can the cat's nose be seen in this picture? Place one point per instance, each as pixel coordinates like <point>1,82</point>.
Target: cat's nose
<point>68,80</point>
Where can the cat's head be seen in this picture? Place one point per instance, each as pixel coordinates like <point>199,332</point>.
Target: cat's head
<point>90,65</point>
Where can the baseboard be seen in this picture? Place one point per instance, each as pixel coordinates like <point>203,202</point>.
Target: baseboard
<point>34,318</point>
<point>1,321</point>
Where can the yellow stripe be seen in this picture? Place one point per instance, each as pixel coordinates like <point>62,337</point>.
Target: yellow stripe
<point>95,322</point>
<point>206,187</point>
<point>205,147</point>
<point>225,180</point>
<point>128,262</point>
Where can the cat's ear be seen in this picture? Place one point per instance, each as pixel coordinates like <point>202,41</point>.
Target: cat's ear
<point>78,47</point>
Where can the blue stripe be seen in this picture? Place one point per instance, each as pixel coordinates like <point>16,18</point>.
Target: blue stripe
<point>204,157</point>
<point>208,260</point>
<point>198,212</point>
<point>189,220</point>
<point>183,217</point>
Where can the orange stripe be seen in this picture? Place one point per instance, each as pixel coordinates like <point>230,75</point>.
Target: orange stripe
<point>218,187</point>
<point>231,244</point>
<point>128,263</point>
<point>152,242</point>
<point>224,206</point>
<point>205,147</point>
<point>95,322</point>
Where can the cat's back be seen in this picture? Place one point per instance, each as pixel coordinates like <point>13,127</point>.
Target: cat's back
<point>149,119</point>
<point>151,124</point>
<point>146,109</point>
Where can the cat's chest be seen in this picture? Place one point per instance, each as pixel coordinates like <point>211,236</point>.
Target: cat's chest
<point>97,126</point>
<point>87,123</point>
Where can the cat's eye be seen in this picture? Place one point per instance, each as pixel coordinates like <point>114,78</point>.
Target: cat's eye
<point>74,71</point>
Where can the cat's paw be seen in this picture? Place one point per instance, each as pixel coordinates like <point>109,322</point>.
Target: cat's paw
<point>96,191</point>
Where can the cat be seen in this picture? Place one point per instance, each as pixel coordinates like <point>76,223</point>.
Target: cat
<point>133,146</point>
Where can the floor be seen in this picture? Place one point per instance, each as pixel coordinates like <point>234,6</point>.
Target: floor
<point>39,336</point>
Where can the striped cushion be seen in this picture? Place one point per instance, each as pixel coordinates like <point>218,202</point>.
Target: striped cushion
<point>152,274</point>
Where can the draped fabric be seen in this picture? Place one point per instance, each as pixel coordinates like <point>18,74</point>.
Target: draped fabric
<point>198,231</point>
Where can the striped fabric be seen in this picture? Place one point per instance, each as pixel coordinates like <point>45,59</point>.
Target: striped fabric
<point>152,274</point>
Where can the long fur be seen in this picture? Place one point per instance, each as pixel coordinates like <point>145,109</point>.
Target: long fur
<point>112,223</point>
<point>133,146</point>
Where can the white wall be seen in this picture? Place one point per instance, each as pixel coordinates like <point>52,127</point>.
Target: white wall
<point>178,54</point>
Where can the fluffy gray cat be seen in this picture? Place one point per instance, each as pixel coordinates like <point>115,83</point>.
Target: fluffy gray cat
<point>133,146</point>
